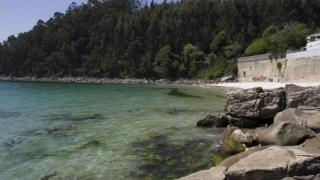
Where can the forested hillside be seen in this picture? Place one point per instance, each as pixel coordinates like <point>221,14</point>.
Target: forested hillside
<point>186,39</point>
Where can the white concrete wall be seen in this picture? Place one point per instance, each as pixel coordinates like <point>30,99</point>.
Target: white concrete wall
<point>303,66</point>
<point>261,70</point>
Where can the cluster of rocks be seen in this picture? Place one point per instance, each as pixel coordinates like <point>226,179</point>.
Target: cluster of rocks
<point>283,122</point>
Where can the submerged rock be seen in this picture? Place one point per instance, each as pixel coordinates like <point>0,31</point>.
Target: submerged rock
<point>177,93</point>
<point>159,157</point>
<point>4,114</point>
<point>47,177</point>
<point>213,121</point>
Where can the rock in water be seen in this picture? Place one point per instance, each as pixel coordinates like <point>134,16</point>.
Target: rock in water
<point>255,104</point>
<point>310,119</point>
<point>213,121</point>
<point>302,96</point>
<point>284,134</point>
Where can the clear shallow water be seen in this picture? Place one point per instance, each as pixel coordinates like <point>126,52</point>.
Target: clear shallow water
<point>88,131</point>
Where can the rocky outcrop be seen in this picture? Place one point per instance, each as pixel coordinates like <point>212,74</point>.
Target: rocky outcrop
<point>214,121</point>
<point>310,119</point>
<point>255,105</point>
<point>216,173</point>
<point>302,96</point>
<point>284,134</point>
<point>295,147</point>
<point>275,162</point>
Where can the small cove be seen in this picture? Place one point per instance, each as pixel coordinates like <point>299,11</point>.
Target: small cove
<point>91,131</point>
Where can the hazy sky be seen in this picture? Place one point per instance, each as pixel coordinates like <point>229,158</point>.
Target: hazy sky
<point>21,15</point>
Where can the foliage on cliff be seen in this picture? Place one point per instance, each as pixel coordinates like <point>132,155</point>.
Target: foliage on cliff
<point>126,38</point>
<point>277,40</point>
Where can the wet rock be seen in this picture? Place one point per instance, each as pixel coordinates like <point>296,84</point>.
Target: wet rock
<point>243,137</point>
<point>213,121</point>
<point>302,96</point>
<point>232,146</point>
<point>242,122</point>
<point>310,119</point>
<point>284,133</point>
<point>255,104</point>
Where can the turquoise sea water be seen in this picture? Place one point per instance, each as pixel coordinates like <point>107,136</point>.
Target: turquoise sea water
<point>90,131</point>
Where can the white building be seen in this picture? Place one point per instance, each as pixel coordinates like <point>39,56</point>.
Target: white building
<point>313,42</point>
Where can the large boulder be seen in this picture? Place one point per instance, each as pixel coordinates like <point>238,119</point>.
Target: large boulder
<point>213,120</point>
<point>216,173</point>
<point>284,134</point>
<point>310,119</point>
<point>275,163</point>
<point>255,104</point>
<point>302,96</point>
<point>265,163</point>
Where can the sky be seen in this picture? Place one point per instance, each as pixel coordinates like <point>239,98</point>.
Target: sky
<point>21,15</point>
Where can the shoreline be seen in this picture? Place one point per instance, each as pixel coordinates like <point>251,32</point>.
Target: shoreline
<point>87,80</point>
<point>263,85</point>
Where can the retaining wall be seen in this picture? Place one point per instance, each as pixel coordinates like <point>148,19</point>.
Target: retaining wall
<point>301,66</point>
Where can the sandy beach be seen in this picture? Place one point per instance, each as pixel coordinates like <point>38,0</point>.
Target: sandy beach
<point>264,85</point>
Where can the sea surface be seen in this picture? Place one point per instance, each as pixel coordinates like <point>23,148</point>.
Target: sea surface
<point>116,132</point>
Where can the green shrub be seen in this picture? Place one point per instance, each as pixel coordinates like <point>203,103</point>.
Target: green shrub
<point>259,46</point>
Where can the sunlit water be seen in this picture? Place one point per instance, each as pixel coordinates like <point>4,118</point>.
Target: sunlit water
<point>87,131</point>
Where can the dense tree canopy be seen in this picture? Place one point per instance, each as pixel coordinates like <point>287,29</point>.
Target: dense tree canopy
<point>185,39</point>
